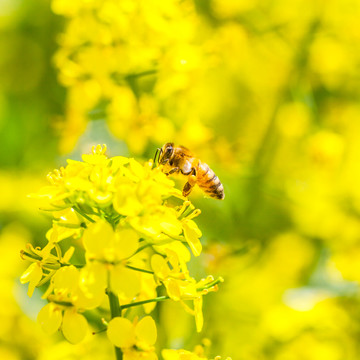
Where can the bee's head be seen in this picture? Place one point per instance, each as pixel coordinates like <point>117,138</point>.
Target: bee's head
<point>166,153</point>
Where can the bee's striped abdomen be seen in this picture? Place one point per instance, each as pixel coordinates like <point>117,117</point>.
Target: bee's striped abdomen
<point>209,182</point>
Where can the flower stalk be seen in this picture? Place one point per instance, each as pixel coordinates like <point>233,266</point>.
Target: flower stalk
<point>115,311</point>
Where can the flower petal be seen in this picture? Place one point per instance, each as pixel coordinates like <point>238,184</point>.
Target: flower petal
<point>160,266</point>
<point>97,237</point>
<point>192,237</point>
<point>124,281</point>
<point>50,318</point>
<point>126,243</point>
<point>74,326</point>
<point>145,330</point>
<point>66,280</point>
<point>32,275</point>
<point>121,332</point>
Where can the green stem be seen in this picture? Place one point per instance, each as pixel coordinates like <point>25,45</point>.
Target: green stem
<point>69,226</point>
<point>138,269</point>
<point>139,249</point>
<point>99,331</point>
<point>83,214</point>
<point>115,308</point>
<point>160,298</point>
<point>115,311</point>
<point>79,266</point>
<point>62,303</point>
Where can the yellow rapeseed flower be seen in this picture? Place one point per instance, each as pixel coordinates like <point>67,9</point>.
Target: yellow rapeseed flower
<point>136,232</point>
<point>32,275</point>
<point>135,339</point>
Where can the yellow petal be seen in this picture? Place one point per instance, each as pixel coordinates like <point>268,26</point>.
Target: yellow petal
<point>192,224</point>
<point>66,279</point>
<point>66,216</point>
<point>170,354</point>
<point>192,238</point>
<point>88,301</point>
<point>94,159</point>
<point>126,202</point>
<point>32,275</point>
<point>93,279</point>
<point>118,161</point>
<point>173,259</point>
<point>173,289</point>
<point>124,281</point>
<point>170,224</point>
<point>126,243</point>
<point>97,237</point>
<point>160,266</point>
<point>121,332</point>
<point>179,248</point>
<point>49,318</point>
<point>74,326</point>
<point>137,168</point>
<point>145,330</point>
<point>148,291</point>
<point>69,253</point>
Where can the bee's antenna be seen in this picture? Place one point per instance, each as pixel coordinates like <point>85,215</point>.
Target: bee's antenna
<point>156,157</point>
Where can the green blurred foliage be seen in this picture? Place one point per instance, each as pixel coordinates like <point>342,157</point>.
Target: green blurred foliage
<point>30,97</point>
<point>266,92</point>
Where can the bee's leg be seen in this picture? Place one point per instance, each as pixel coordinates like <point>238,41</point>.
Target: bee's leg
<point>156,159</point>
<point>173,170</point>
<point>187,189</point>
<point>190,183</point>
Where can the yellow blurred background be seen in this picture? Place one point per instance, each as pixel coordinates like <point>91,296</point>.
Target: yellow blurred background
<point>266,92</point>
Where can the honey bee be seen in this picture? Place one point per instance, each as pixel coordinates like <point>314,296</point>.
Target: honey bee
<point>177,159</point>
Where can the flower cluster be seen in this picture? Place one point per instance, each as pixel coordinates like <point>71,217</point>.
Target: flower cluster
<point>130,62</point>
<point>136,232</point>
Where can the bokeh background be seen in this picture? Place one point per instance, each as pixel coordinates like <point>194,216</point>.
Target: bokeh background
<point>265,91</point>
